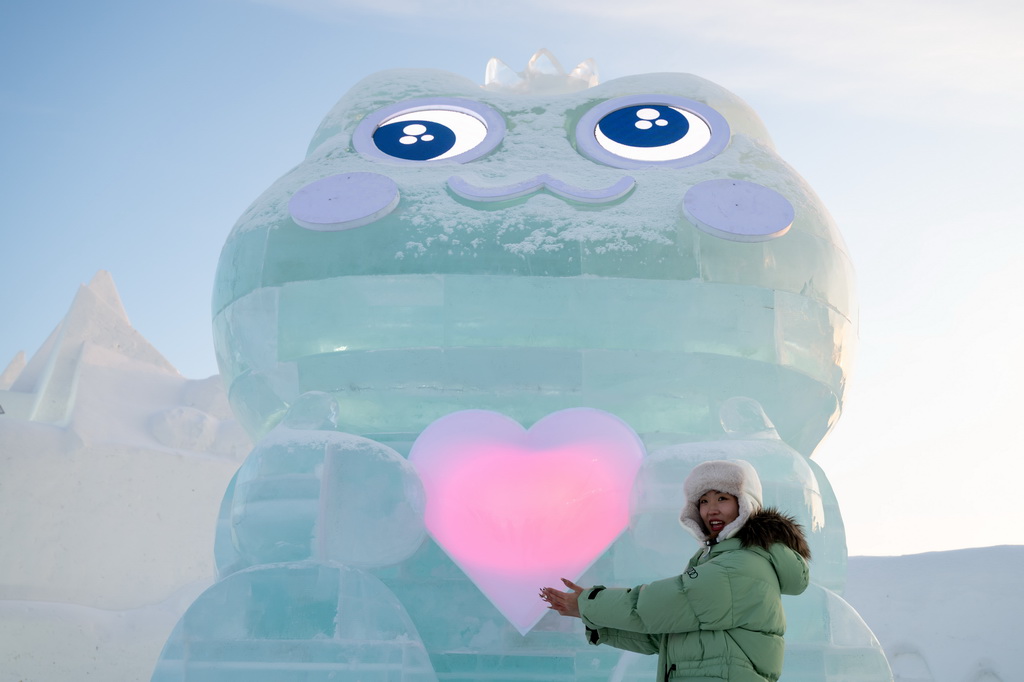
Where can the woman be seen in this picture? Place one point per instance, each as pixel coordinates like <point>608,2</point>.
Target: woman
<point>722,619</point>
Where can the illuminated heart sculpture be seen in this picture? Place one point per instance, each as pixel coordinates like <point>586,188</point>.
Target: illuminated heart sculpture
<point>518,509</point>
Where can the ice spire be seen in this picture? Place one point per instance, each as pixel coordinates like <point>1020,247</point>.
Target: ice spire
<point>44,388</point>
<point>13,370</point>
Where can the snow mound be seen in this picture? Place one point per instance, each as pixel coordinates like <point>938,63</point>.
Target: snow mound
<point>944,616</point>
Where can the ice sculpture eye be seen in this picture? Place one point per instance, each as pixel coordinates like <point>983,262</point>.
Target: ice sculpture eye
<point>433,129</point>
<point>652,133</point>
<point>651,130</point>
<point>425,135</point>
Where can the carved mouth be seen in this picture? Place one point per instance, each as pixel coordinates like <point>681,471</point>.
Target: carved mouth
<point>539,183</point>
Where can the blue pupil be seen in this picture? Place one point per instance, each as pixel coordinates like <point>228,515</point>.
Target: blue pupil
<point>414,140</point>
<point>646,125</point>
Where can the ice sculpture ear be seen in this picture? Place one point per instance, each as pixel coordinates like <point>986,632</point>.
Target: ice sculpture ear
<point>641,131</point>
<point>742,417</point>
<point>429,130</point>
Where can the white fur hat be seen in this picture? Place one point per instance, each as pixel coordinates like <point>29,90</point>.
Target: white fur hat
<point>734,476</point>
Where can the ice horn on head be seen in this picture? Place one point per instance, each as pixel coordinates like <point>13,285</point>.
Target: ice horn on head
<point>543,73</point>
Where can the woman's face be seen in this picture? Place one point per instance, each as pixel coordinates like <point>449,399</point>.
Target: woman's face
<point>717,510</point>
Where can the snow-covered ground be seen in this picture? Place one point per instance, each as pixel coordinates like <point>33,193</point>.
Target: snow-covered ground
<point>945,616</point>
<point>112,468</point>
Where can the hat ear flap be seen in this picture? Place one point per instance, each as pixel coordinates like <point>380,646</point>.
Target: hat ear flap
<point>689,519</point>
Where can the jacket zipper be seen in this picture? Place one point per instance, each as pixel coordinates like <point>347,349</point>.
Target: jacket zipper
<point>668,673</point>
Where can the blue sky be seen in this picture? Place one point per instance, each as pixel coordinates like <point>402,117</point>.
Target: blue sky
<point>132,135</point>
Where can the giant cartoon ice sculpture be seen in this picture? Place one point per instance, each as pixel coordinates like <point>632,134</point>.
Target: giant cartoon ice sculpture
<point>464,293</point>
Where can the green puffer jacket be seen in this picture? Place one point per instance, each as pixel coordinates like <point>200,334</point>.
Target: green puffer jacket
<point>720,620</point>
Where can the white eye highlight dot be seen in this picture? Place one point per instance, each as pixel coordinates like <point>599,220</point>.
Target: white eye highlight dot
<point>648,114</point>
<point>427,138</point>
<point>643,125</point>
<point>661,122</point>
<point>407,139</point>
<point>415,129</point>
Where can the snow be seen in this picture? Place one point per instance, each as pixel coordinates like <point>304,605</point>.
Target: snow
<point>112,468</point>
<point>944,616</point>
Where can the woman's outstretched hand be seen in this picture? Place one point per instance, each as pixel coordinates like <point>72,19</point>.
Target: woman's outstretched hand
<point>566,603</point>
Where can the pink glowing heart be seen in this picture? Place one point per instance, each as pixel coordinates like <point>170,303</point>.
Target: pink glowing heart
<point>518,509</point>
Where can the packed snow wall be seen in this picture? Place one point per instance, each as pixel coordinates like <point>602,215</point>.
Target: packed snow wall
<point>481,335</point>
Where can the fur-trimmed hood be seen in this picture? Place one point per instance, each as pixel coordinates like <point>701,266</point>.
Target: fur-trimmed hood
<point>769,526</point>
<point>780,540</point>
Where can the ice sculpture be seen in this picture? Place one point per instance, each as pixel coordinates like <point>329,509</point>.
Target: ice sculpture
<point>454,268</point>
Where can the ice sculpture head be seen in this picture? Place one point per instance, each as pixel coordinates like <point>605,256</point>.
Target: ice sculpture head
<point>635,246</point>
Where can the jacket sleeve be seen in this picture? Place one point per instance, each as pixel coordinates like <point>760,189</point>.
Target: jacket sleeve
<point>700,599</point>
<point>622,639</point>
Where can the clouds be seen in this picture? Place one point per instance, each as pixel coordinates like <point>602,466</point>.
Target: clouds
<point>952,60</point>
<point>899,58</point>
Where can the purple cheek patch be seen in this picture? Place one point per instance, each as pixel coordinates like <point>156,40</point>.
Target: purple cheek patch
<point>738,210</point>
<point>342,202</point>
